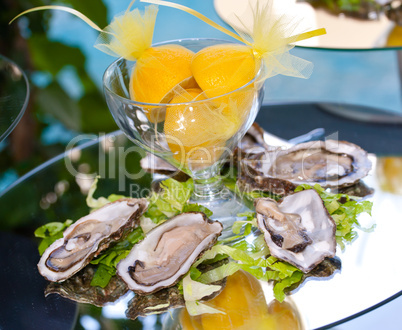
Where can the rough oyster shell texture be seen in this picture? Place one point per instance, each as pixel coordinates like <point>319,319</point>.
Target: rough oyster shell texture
<point>78,288</point>
<point>89,236</point>
<point>331,164</point>
<point>167,252</point>
<point>298,230</point>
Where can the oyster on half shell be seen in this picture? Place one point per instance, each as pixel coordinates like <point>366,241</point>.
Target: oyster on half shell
<point>298,230</point>
<point>167,252</point>
<point>331,164</point>
<point>89,236</point>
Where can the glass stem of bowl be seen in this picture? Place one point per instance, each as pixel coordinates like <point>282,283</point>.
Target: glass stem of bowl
<point>207,189</point>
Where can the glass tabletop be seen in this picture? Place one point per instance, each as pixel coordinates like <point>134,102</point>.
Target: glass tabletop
<point>56,191</point>
<point>14,95</point>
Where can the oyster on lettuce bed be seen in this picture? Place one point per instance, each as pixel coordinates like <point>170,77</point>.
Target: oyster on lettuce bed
<point>88,237</point>
<point>298,229</point>
<point>168,251</point>
<point>331,164</point>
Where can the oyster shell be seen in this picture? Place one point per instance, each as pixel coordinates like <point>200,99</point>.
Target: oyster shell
<point>298,230</point>
<point>88,236</point>
<point>331,164</point>
<point>78,288</point>
<point>167,252</point>
<point>327,268</point>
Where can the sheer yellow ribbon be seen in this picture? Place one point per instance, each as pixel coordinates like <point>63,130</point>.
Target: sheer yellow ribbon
<point>267,39</point>
<point>300,37</point>
<point>128,35</point>
<point>66,9</point>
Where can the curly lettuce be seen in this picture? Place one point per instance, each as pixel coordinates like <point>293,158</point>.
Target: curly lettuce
<point>345,210</point>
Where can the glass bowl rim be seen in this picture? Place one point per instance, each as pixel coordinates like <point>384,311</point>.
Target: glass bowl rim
<point>177,41</point>
<point>27,89</point>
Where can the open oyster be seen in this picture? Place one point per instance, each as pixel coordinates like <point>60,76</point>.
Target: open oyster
<point>298,230</point>
<point>87,237</point>
<point>330,164</point>
<point>167,252</point>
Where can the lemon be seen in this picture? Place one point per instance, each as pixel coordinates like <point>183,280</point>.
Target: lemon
<point>220,69</point>
<point>157,72</point>
<point>196,132</point>
<point>224,68</point>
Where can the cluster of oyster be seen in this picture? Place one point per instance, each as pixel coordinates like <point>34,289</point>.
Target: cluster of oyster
<point>297,229</point>
<point>159,261</point>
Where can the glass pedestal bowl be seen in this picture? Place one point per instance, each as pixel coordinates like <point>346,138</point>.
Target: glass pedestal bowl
<point>196,136</point>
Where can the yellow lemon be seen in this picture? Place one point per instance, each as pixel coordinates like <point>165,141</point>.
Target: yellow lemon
<point>157,72</point>
<point>195,132</point>
<point>222,69</point>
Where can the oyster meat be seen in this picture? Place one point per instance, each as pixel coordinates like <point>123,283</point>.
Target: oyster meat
<point>298,230</point>
<point>331,164</point>
<point>88,236</point>
<point>167,252</point>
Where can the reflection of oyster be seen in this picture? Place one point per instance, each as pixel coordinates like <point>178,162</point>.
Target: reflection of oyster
<point>165,299</point>
<point>326,268</point>
<point>330,164</point>
<point>299,230</point>
<point>78,288</point>
<point>155,303</point>
<point>167,252</point>
<point>87,237</point>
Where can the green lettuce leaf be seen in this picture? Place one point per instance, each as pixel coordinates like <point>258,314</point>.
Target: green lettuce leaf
<point>50,232</point>
<point>103,275</point>
<point>109,259</point>
<point>96,203</point>
<point>193,291</point>
<point>345,210</point>
<point>252,258</point>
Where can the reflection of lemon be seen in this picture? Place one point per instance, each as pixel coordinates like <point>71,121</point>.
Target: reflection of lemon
<point>193,131</point>
<point>158,71</point>
<point>245,308</point>
<point>395,37</point>
<point>389,172</point>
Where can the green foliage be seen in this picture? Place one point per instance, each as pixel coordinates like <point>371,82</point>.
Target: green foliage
<point>31,47</point>
<point>344,5</point>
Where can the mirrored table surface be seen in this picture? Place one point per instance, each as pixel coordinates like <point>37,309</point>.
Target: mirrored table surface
<point>370,274</point>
